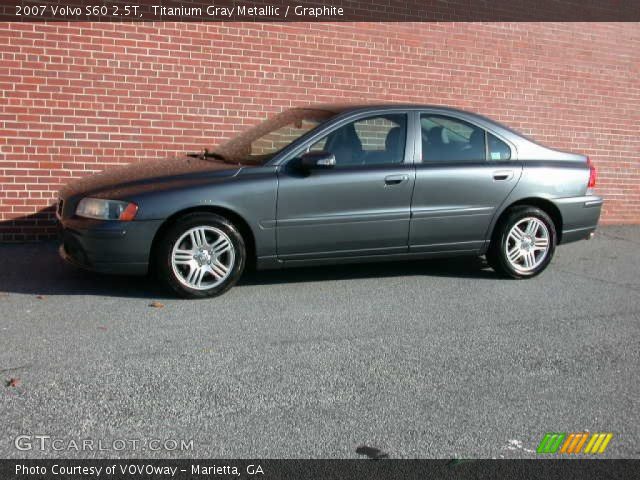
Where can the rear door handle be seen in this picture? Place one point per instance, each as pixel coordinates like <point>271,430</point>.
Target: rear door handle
<point>503,175</point>
<point>395,179</point>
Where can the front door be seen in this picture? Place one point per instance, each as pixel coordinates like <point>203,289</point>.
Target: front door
<point>361,205</point>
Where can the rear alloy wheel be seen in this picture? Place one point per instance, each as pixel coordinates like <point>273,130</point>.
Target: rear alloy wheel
<point>201,255</point>
<point>524,243</point>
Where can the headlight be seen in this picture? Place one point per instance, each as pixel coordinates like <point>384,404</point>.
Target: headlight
<point>101,209</point>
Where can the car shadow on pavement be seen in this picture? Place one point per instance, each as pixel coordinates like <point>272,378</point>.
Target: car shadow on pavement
<point>36,269</point>
<point>459,267</point>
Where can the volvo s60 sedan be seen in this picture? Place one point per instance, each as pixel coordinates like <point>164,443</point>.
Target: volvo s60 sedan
<point>334,184</point>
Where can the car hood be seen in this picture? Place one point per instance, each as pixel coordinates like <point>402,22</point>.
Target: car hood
<point>147,176</point>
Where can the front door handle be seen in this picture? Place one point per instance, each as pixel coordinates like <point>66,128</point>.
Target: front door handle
<point>395,179</point>
<point>503,175</point>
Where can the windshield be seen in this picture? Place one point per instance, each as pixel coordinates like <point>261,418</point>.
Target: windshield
<point>262,142</point>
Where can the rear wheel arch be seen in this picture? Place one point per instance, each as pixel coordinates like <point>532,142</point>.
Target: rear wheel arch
<point>237,220</point>
<point>543,204</point>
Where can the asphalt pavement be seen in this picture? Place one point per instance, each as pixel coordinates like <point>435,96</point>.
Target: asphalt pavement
<point>417,359</point>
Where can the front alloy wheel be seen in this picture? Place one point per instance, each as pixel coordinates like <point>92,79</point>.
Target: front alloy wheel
<point>201,255</point>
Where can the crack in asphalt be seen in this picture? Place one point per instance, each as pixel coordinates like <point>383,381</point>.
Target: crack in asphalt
<point>616,237</point>
<point>629,286</point>
<point>21,367</point>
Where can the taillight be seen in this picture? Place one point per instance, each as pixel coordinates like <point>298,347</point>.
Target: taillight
<point>592,174</point>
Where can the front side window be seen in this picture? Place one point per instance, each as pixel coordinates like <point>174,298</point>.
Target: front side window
<point>376,140</point>
<point>446,139</point>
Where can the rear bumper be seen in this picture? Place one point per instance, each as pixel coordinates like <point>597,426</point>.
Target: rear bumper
<point>580,217</point>
<point>108,247</point>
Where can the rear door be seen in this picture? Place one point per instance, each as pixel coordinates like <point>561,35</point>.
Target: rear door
<point>358,207</point>
<point>465,174</point>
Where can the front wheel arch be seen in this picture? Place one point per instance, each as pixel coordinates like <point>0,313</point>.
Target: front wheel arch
<point>240,223</point>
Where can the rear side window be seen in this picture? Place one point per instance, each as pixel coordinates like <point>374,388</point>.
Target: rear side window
<point>447,139</point>
<point>498,150</point>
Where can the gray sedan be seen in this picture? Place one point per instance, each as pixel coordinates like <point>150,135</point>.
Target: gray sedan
<point>334,184</point>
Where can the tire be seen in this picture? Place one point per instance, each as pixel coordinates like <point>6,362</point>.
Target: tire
<point>529,255</point>
<point>201,255</point>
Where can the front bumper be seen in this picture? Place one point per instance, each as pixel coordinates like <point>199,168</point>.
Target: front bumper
<point>108,247</point>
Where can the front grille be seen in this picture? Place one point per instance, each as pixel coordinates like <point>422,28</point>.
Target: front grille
<point>59,208</point>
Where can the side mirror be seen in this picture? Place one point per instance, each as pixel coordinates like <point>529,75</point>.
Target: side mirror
<point>317,160</point>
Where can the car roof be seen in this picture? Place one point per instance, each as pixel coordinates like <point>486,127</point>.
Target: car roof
<point>345,108</point>
<point>350,107</point>
<point>339,108</point>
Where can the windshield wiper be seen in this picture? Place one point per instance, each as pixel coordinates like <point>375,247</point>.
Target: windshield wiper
<point>205,154</point>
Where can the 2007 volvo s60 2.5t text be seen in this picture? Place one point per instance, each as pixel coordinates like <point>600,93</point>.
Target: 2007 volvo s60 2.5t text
<point>334,184</point>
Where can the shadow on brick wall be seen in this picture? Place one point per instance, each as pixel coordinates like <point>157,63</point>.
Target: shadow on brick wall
<point>34,227</point>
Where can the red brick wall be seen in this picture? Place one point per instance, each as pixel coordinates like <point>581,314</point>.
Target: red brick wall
<point>79,98</point>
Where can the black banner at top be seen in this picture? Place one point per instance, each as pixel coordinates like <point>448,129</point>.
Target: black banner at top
<point>319,10</point>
